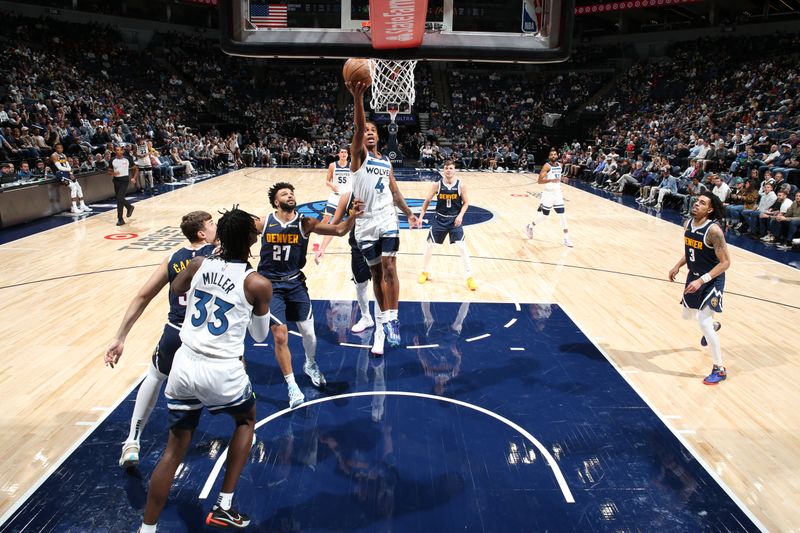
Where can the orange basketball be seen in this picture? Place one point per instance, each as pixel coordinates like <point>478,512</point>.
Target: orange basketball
<point>356,69</point>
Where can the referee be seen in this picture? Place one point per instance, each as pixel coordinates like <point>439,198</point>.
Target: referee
<point>120,170</point>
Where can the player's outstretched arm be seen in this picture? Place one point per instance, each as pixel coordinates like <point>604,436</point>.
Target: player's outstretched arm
<point>258,291</point>
<point>312,225</point>
<point>337,217</point>
<point>357,148</point>
<point>183,281</point>
<point>400,202</point>
<point>149,290</point>
<point>427,202</point>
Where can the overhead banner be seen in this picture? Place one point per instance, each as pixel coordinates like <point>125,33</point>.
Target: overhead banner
<point>397,23</point>
<point>629,4</point>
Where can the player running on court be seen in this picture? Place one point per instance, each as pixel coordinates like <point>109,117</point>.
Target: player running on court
<point>451,205</point>
<point>550,176</point>
<point>377,231</point>
<point>706,256</point>
<point>201,230</point>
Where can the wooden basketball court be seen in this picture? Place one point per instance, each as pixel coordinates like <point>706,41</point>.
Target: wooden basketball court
<point>66,290</point>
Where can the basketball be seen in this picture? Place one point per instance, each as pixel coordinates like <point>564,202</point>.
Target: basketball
<point>357,69</point>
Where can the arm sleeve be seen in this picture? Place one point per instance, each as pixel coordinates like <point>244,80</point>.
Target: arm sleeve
<point>259,327</point>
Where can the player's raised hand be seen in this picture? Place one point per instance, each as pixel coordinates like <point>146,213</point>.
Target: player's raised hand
<point>357,89</point>
<point>114,352</point>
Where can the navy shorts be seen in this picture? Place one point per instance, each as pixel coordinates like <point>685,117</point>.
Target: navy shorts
<point>442,227</point>
<point>358,264</point>
<point>168,344</point>
<point>290,301</point>
<point>709,295</point>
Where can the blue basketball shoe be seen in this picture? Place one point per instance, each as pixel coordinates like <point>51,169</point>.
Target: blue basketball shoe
<point>392,330</point>
<point>717,375</point>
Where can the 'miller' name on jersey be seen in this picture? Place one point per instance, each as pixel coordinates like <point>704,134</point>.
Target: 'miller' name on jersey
<point>282,238</point>
<point>378,170</point>
<point>215,278</point>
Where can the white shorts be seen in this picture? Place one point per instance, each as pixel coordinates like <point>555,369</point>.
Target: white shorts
<point>552,199</point>
<point>197,380</point>
<point>383,224</point>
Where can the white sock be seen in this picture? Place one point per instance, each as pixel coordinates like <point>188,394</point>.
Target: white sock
<point>390,314</point>
<point>362,295</point>
<point>74,205</point>
<point>706,318</point>
<point>225,500</point>
<point>462,247</point>
<point>82,204</point>
<point>146,528</point>
<point>426,258</point>
<point>290,379</point>
<point>538,218</point>
<point>146,399</point>
<point>306,329</point>
<point>562,217</point>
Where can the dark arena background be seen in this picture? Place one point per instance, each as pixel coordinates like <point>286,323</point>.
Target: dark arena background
<point>544,379</point>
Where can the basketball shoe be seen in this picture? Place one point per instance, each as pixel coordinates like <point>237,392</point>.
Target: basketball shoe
<point>529,231</point>
<point>471,285</point>
<point>295,396</point>
<point>718,374</point>
<point>221,519</point>
<point>703,341</point>
<point>311,368</point>
<point>378,340</point>
<point>568,242</point>
<point>423,277</point>
<point>130,455</point>
<point>364,323</point>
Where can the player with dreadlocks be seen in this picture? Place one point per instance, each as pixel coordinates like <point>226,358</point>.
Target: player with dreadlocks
<point>706,255</point>
<point>225,299</point>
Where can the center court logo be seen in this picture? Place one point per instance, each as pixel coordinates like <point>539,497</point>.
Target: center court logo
<point>474,215</point>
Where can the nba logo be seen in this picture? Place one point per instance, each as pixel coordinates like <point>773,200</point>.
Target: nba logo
<point>531,15</point>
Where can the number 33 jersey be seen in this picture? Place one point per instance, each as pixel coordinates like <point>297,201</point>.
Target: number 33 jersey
<point>217,311</point>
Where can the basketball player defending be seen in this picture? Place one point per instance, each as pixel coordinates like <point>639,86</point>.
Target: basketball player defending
<point>377,232</point>
<point>550,176</point>
<point>201,230</point>
<point>226,298</point>
<point>284,241</point>
<point>706,256</point>
<point>358,266</point>
<point>451,204</point>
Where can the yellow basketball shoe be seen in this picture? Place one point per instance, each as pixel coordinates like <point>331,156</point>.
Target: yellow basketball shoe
<point>471,285</point>
<point>425,276</point>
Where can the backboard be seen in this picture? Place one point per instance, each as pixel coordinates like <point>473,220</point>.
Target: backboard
<point>524,31</point>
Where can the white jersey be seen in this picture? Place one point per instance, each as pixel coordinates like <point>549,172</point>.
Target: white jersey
<point>342,178</point>
<point>217,311</point>
<point>121,167</point>
<point>371,186</point>
<point>553,174</point>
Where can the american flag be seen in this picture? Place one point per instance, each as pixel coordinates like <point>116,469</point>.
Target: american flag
<point>268,15</point>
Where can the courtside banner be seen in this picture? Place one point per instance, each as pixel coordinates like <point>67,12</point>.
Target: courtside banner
<point>397,23</point>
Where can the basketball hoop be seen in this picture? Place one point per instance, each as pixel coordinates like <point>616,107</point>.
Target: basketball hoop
<point>392,85</point>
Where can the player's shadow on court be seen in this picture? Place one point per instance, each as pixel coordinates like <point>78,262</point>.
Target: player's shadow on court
<point>641,360</point>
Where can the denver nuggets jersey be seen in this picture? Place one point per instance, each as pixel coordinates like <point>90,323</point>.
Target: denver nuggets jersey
<point>218,312</point>
<point>448,199</point>
<point>283,249</point>
<point>700,257</point>
<point>177,263</point>
<point>553,174</point>
<point>371,186</point>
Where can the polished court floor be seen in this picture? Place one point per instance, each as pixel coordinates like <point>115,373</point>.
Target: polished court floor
<point>564,395</point>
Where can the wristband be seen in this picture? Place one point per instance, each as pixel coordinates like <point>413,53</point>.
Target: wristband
<point>706,277</point>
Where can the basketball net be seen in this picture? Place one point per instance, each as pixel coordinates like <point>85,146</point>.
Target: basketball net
<point>392,85</point>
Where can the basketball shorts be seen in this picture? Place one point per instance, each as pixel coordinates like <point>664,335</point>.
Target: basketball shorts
<point>552,199</point>
<point>358,265</point>
<point>197,381</point>
<point>144,164</point>
<point>290,301</point>
<point>378,236</point>
<point>165,350</point>
<point>709,295</point>
<point>330,206</point>
<point>441,227</point>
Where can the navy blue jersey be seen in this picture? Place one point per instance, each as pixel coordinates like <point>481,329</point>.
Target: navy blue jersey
<point>283,249</point>
<point>448,199</point>
<point>700,256</point>
<point>176,264</point>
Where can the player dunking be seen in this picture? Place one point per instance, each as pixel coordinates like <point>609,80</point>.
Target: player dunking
<point>358,266</point>
<point>225,299</point>
<point>706,256</point>
<point>377,232</point>
<point>284,241</point>
<point>201,230</point>
<point>550,176</point>
<point>451,205</point>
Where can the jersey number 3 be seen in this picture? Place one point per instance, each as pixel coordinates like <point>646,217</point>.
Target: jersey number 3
<point>219,325</point>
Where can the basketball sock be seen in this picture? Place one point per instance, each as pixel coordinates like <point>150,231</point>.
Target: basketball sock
<point>706,318</point>
<point>462,247</point>
<point>147,528</point>
<point>290,380</point>
<point>426,258</point>
<point>225,500</point>
<point>390,315</point>
<point>146,399</point>
<point>538,218</point>
<point>362,295</point>
<point>74,205</point>
<point>306,328</point>
<point>562,217</point>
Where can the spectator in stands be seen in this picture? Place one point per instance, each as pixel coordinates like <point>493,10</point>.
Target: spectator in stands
<point>668,185</point>
<point>64,173</point>
<point>784,227</point>
<point>743,196</point>
<point>188,168</point>
<point>42,171</point>
<point>7,174</point>
<point>781,206</point>
<point>721,189</point>
<point>24,173</point>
